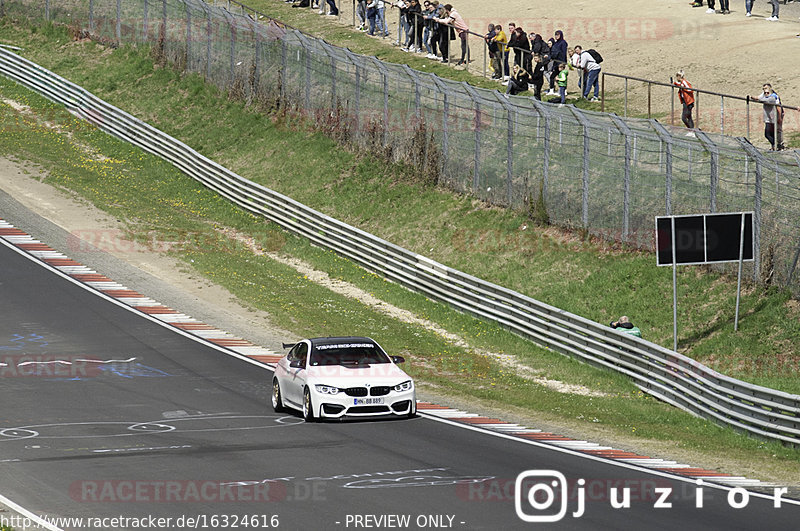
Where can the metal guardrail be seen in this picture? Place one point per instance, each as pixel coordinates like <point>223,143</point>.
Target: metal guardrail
<point>667,375</point>
<point>593,171</point>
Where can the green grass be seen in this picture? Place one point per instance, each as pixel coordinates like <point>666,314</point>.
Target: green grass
<point>583,276</point>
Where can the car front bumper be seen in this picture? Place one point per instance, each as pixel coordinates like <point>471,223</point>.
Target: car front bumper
<point>341,405</point>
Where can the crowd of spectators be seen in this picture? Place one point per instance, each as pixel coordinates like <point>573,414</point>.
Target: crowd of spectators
<point>428,26</point>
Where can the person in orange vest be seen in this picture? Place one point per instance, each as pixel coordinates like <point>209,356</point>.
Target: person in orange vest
<point>686,95</point>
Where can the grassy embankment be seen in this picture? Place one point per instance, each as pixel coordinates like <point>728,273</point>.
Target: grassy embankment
<point>584,277</point>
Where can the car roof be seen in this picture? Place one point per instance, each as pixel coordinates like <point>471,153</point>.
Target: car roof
<point>336,340</point>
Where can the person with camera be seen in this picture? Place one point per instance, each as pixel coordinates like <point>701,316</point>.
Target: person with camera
<point>624,325</point>
<point>773,117</point>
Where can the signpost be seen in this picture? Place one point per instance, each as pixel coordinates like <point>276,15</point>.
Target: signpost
<point>703,239</point>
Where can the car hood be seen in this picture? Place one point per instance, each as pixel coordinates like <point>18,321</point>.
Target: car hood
<point>343,377</point>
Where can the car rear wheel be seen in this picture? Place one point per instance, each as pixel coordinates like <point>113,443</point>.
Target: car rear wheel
<point>308,407</point>
<point>277,397</point>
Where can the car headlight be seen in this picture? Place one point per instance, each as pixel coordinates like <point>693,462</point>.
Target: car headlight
<point>327,389</point>
<point>405,386</point>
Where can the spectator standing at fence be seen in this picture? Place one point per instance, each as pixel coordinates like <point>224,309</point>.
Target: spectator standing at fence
<point>372,16</point>
<point>558,54</point>
<point>453,18</point>
<point>522,56</point>
<point>624,325</point>
<point>445,32</point>
<point>513,42</point>
<point>507,52</point>
<point>686,95</point>
<point>589,65</point>
<point>491,46</point>
<point>775,9</point>
<point>773,119</point>
<point>361,13</point>
<point>405,26</point>
<point>575,62</point>
<point>414,14</point>
<point>501,40</point>
<point>538,46</point>
<point>381,18</point>
<point>561,81</point>
<point>537,76</point>
<point>431,29</point>
<point>711,5</point>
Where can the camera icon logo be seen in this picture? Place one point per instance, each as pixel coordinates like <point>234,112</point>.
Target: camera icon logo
<point>536,491</point>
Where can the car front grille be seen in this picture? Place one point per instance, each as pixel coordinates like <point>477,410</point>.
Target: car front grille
<point>356,391</point>
<point>355,410</point>
<point>380,390</point>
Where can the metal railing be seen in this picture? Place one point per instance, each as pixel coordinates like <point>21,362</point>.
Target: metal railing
<point>668,375</point>
<point>737,122</point>
<point>596,171</point>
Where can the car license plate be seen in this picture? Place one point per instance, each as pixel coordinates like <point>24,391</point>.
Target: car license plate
<point>367,401</point>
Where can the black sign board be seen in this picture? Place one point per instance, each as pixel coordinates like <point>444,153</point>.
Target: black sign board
<point>704,238</point>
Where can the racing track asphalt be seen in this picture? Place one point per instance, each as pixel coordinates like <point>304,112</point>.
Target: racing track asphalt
<point>161,430</point>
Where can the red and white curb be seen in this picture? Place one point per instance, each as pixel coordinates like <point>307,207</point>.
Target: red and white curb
<point>132,298</point>
<point>589,448</point>
<point>220,338</point>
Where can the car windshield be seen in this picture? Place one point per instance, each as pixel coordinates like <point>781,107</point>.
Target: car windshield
<point>348,354</point>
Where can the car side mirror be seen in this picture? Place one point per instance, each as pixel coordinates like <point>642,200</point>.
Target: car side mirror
<point>296,364</point>
<point>398,359</point>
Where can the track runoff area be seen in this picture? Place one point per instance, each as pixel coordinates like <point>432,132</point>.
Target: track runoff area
<point>120,413</point>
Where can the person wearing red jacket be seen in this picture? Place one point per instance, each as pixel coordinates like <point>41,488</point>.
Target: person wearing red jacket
<point>686,95</point>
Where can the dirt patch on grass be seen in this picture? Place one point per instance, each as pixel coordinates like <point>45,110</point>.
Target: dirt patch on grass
<point>351,291</point>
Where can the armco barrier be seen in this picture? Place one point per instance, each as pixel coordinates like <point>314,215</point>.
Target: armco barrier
<point>665,374</point>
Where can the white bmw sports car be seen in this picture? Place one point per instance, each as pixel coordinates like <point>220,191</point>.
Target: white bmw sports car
<point>337,377</point>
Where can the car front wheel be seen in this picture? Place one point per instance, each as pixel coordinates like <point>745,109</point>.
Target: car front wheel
<point>308,407</point>
<point>277,397</point>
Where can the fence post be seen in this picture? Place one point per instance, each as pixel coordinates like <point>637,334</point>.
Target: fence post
<point>666,138</point>
<point>385,108</point>
<point>232,62</point>
<point>47,10</point>
<point>625,114</point>
<point>713,150</point>
<point>91,17</point>
<point>164,21</point>
<point>307,98</point>
<point>510,119</point>
<point>356,61</point>
<point>333,82</point>
<point>697,110</point>
<point>210,32</point>
<point>188,37</point>
<point>585,174</point>
<point>445,117</point>
<point>626,184</point>
<point>413,75</point>
<point>118,29</point>
<point>145,21</point>
<point>751,151</point>
<point>283,70</point>
<point>477,158</point>
<point>540,108</point>
<point>602,92</point>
